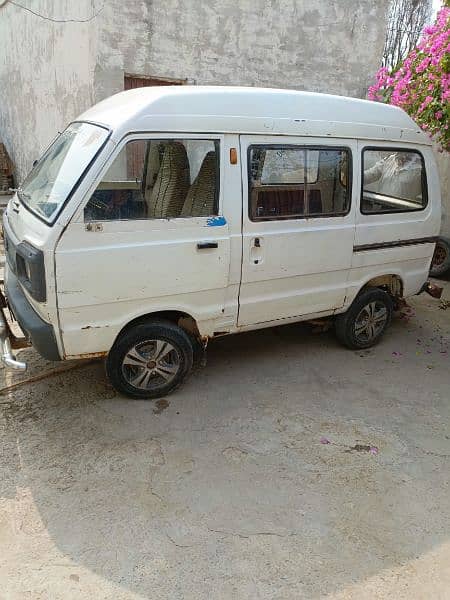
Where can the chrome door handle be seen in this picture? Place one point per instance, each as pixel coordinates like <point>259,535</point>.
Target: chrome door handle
<point>206,245</point>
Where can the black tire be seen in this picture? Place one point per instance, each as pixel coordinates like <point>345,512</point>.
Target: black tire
<point>143,341</point>
<point>440,263</point>
<point>348,323</point>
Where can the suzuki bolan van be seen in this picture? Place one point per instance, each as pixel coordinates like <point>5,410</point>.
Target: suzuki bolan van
<point>164,217</point>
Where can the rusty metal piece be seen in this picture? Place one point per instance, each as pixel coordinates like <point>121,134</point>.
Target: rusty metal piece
<point>17,343</point>
<point>7,356</point>
<point>432,289</point>
<point>41,376</point>
<point>435,291</point>
<point>86,355</point>
<point>320,325</point>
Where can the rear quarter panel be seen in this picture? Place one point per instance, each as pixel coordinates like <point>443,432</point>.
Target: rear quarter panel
<point>410,262</point>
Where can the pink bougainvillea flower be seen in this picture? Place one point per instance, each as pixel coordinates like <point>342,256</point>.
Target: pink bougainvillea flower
<point>421,83</point>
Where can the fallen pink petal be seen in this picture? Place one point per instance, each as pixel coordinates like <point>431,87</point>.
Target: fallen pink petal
<point>324,440</point>
<point>373,450</point>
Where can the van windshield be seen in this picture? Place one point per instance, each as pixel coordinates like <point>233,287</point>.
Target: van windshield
<point>52,179</point>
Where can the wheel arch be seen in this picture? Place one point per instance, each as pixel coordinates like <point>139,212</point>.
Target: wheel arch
<point>178,317</point>
<point>391,283</point>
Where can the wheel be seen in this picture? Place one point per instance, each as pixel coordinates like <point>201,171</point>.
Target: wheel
<point>366,320</point>
<point>440,263</point>
<point>150,360</point>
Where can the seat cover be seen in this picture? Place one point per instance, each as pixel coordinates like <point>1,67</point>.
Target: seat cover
<point>172,183</point>
<point>200,199</point>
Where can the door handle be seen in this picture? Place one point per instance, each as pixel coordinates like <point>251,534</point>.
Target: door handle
<point>206,245</point>
<point>256,252</point>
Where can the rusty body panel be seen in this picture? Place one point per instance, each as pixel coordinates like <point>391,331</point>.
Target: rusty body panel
<point>85,355</point>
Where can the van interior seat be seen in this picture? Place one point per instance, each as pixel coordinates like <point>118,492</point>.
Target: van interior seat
<point>172,183</point>
<point>200,200</point>
<point>315,201</point>
<point>286,201</point>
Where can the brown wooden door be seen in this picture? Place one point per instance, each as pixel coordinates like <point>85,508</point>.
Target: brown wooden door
<point>136,152</point>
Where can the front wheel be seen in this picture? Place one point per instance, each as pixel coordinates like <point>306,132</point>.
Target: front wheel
<point>150,360</point>
<point>366,320</point>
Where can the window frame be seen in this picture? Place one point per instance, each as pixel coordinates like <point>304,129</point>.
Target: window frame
<point>82,177</point>
<point>294,146</point>
<point>148,136</point>
<point>425,195</point>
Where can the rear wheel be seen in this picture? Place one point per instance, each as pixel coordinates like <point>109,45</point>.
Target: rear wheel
<point>366,320</point>
<point>440,263</point>
<point>150,360</point>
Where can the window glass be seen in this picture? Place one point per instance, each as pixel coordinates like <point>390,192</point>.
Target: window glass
<point>159,179</point>
<point>393,181</point>
<point>293,183</point>
<point>52,179</point>
<point>288,166</point>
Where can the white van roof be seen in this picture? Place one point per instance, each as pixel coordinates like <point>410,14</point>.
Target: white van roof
<point>216,109</point>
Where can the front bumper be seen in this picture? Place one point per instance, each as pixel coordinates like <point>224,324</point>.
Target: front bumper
<point>38,332</point>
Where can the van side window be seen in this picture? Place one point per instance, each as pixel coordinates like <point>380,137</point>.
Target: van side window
<point>159,179</point>
<point>393,181</point>
<point>294,182</point>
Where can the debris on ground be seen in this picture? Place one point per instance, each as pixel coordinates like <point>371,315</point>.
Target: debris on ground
<point>52,373</point>
<point>160,406</point>
<point>363,448</point>
<point>356,448</point>
<point>444,304</point>
<point>406,312</point>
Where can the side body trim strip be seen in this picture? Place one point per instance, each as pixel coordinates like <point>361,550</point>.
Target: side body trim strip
<point>396,244</point>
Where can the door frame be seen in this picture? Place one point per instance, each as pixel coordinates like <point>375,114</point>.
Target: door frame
<point>78,216</point>
<point>311,223</point>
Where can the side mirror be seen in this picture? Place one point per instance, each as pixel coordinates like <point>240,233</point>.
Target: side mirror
<point>35,162</point>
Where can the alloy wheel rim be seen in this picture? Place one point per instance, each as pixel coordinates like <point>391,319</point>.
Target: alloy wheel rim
<point>370,321</point>
<point>151,364</point>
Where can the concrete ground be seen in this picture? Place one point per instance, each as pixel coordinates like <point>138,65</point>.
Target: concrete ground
<point>229,489</point>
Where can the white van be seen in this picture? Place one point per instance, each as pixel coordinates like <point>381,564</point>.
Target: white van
<point>165,217</point>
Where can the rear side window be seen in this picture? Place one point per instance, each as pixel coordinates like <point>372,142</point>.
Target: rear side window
<point>393,181</point>
<point>295,182</point>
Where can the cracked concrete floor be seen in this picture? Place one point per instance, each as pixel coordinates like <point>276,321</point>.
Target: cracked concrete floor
<point>226,491</point>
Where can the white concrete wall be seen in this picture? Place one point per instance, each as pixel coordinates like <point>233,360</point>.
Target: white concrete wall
<point>46,74</point>
<point>317,45</point>
<point>53,71</point>
<point>443,162</point>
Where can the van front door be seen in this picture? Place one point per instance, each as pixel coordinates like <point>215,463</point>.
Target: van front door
<point>298,226</point>
<point>150,238</point>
